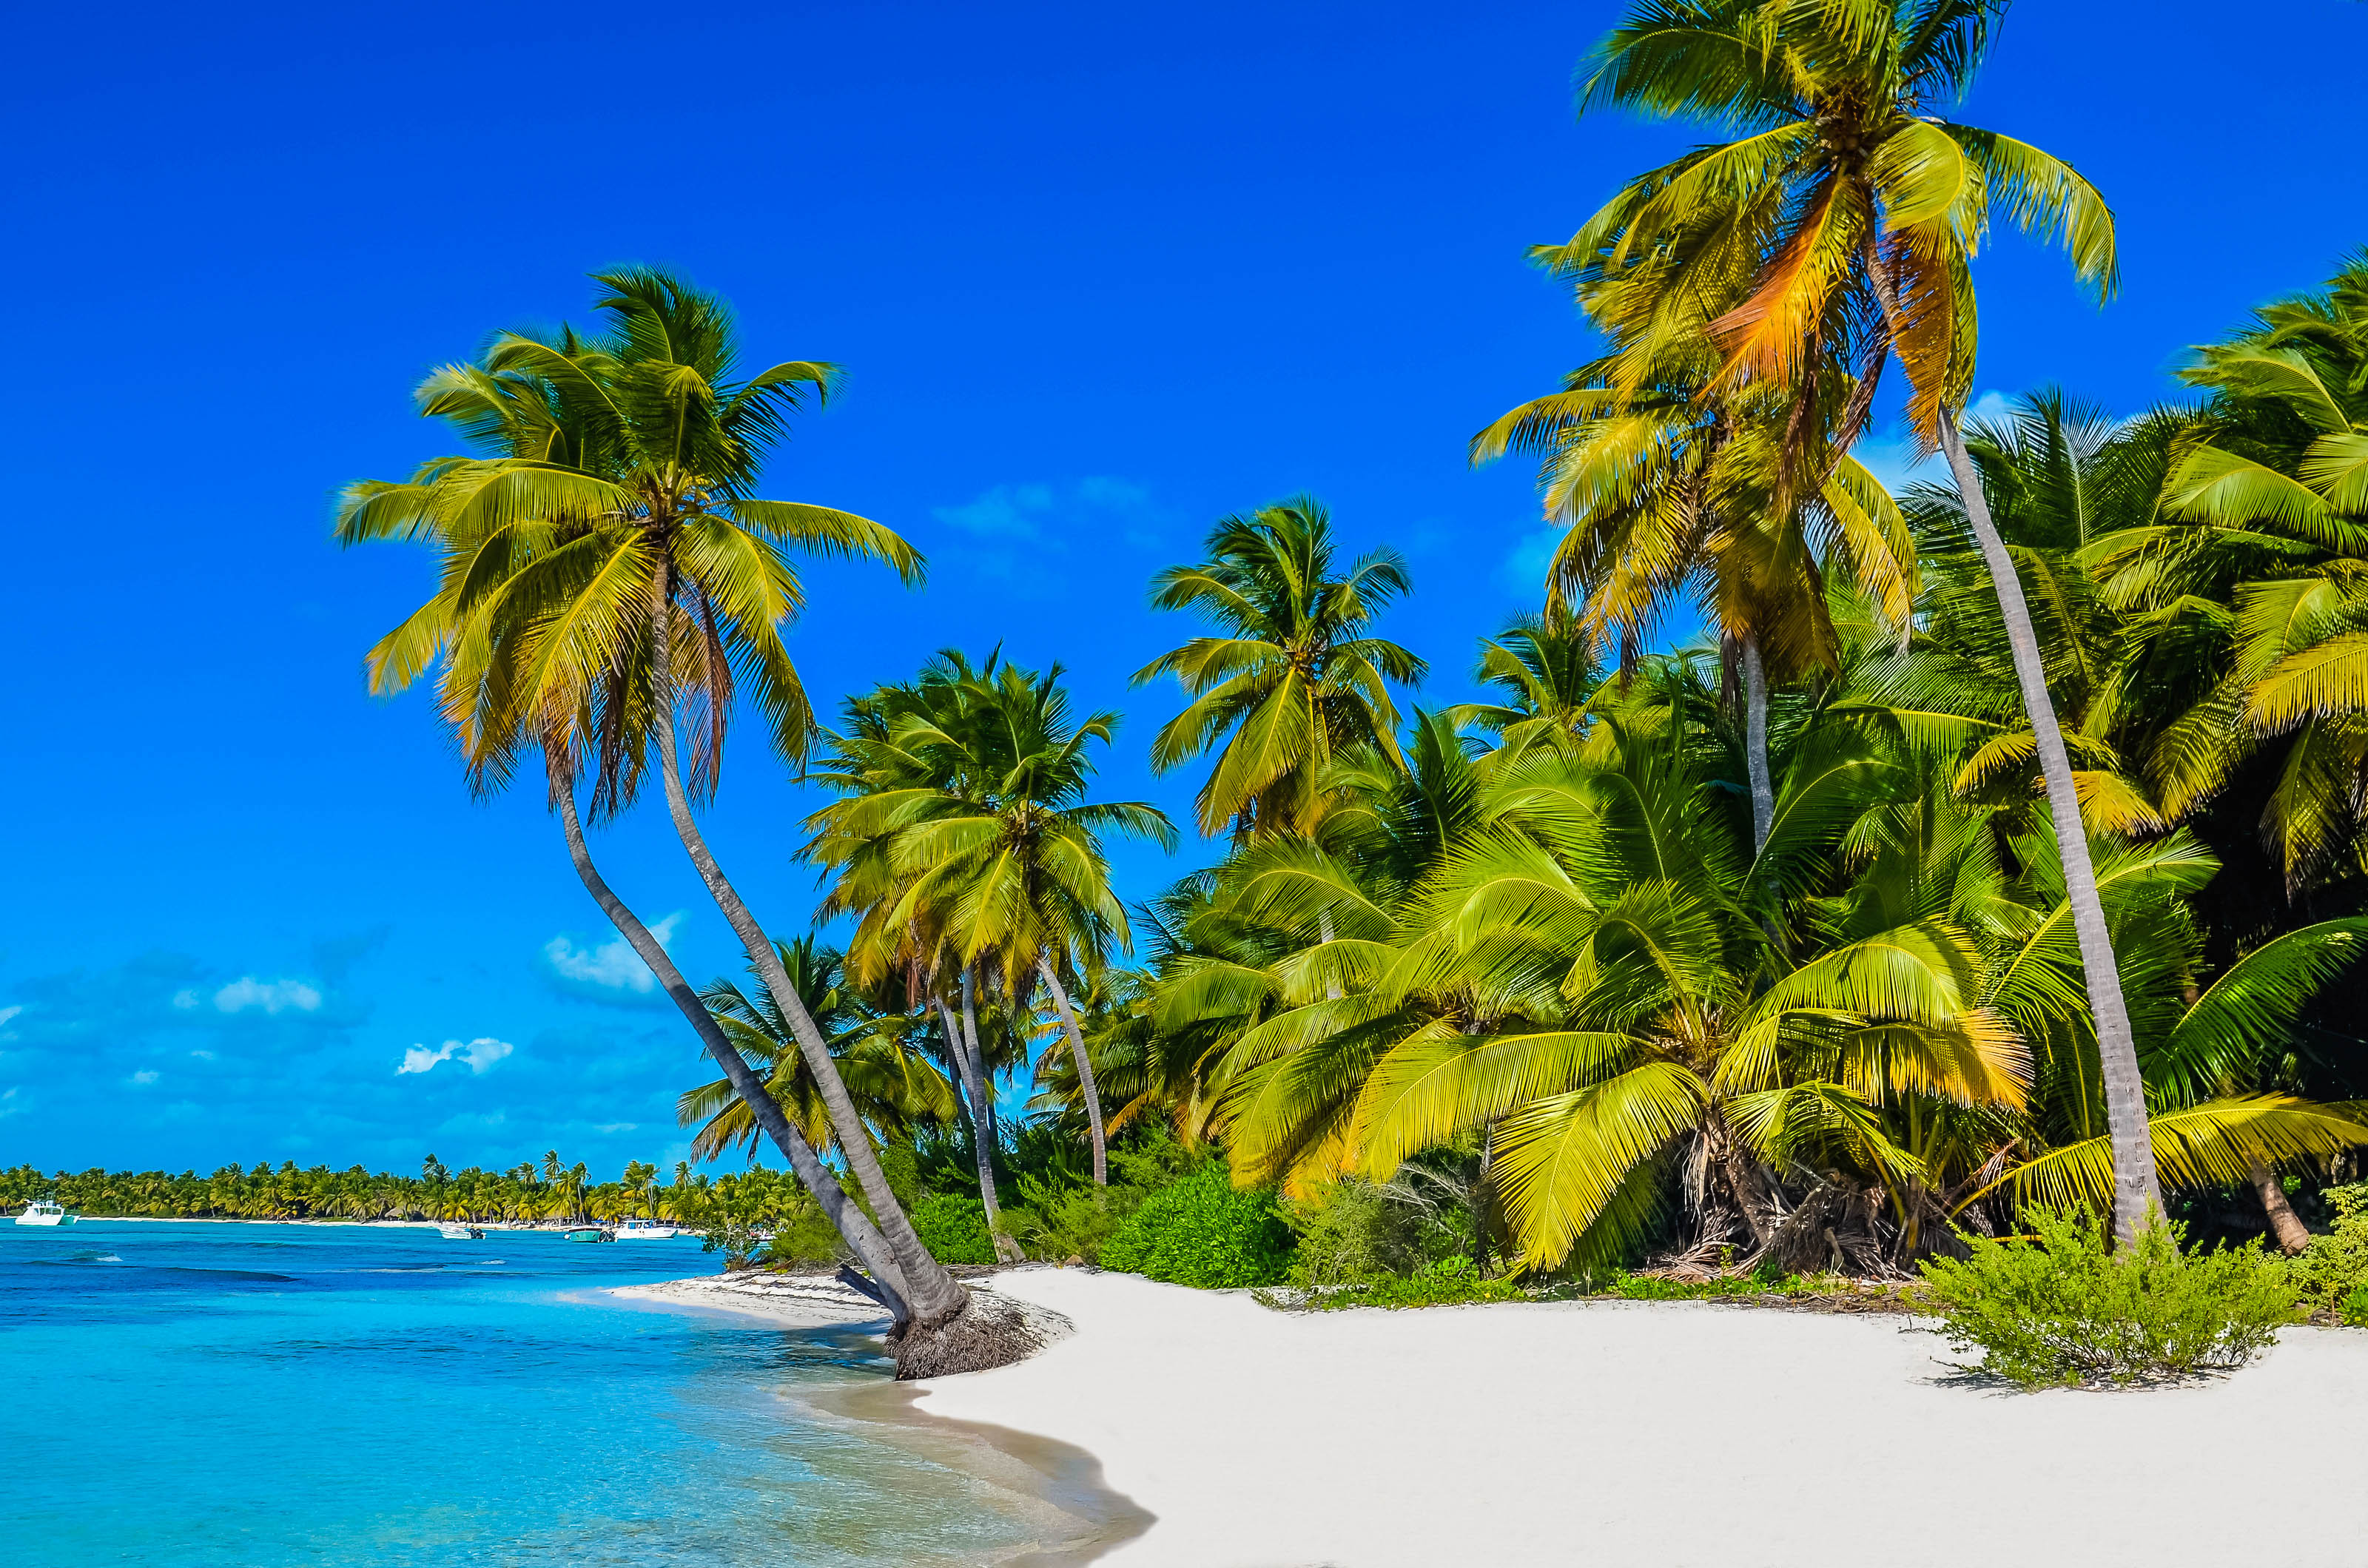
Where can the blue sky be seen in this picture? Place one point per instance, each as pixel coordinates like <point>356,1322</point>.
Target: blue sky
<point>1098,274</point>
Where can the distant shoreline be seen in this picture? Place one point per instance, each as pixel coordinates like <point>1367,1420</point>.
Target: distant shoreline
<point>517,1225</point>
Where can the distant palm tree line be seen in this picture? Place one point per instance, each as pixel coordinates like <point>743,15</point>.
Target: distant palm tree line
<point>1878,911</point>
<point>524,1194</point>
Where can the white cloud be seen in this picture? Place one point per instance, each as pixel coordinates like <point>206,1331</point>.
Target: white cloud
<point>1007,511</point>
<point>8,1012</point>
<point>479,1053</point>
<point>1027,511</point>
<point>612,964</point>
<point>8,1106</point>
<point>146,1075</point>
<point>203,1055</point>
<point>611,1127</point>
<point>271,995</point>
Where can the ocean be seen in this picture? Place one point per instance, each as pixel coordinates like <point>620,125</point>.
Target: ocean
<point>258,1394</point>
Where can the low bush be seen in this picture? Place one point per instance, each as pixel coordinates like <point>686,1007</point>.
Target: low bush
<point>2056,1307</point>
<point>2332,1274</point>
<point>1354,1231</point>
<point>1073,1222</point>
<point>954,1228</point>
<point>1450,1282</point>
<point>1202,1230</point>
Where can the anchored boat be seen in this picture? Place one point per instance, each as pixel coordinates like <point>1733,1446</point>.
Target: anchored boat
<point>585,1234</point>
<point>646,1230</point>
<point>42,1212</point>
<point>452,1233</point>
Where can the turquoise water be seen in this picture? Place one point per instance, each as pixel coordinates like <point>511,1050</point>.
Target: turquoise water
<point>261,1395</point>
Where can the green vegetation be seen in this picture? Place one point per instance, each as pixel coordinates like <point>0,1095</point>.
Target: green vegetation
<point>1204,1231</point>
<point>2330,1276</point>
<point>1997,843</point>
<point>2057,1307</point>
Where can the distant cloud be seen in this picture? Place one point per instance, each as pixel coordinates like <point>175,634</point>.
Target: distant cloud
<point>1092,507</point>
<point>1007,511</point>
<point>615,1127</point>
<point>203,1055</point>
<point>479,1053</point>
<point>9,1105</point>
<point>272,995</point>
<point>613,965</point>
<point>144,1076</point>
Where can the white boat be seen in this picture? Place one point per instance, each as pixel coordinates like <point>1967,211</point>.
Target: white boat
<point>646,1230</point>
<point>42,1212</point>
<point>454,1233</point>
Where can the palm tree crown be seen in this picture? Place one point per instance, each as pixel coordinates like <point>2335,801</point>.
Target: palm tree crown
<point>1292,678</point>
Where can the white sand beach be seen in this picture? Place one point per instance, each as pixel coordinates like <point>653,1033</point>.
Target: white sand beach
<point>1644,1435</point>
<point>797,1301</point>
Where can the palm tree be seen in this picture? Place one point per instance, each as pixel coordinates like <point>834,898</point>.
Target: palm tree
<point>988,840</point>
<point>608,568</point>
<point>1673,490</point>
<point>1292,678</point>
<point>2257,566</point>
<point>1838,229</point>
<point>1544,674</point>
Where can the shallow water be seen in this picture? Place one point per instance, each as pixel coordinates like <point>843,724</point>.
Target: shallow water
<point>262,1395</point>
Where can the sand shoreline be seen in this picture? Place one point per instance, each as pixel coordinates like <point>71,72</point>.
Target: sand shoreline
<point>1647,1433</point>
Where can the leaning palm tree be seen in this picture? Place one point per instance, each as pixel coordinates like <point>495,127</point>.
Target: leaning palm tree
<point>1294,675</point>
<point>1838,228</point>
<point>622,578</point>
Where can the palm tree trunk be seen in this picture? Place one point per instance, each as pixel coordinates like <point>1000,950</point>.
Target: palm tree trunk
<point>2291,1234</point>
<point>1085,1069</point>
<point>1755,743</point>
<point>986,1131</point>
<point>934,1295</point>
<point>979,1103</point>
<point>2134,1187</point>
<point>860,1234</point>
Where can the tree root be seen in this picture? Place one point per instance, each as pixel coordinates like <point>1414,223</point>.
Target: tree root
<point>990,1331</point>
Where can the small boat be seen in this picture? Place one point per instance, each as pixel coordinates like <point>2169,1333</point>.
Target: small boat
<point>585,1234</point>
<point>452,1233</point>
<point>646,1230</point>
<point>42,1212</point>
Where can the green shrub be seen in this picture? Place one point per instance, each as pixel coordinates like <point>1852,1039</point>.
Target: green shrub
<point>805,1240</point>
<point>1450,1282</point>
<point>2057,1308</point>
<point>1202,1232</point>
<point>1074,1222</point>
<point>2333,1270</point>
<point>954,1228</point>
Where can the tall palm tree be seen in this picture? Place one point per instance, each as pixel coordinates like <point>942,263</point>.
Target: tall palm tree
<point>1839,228</point>
<point>611,570</point>
<point>1294,675</point>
